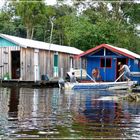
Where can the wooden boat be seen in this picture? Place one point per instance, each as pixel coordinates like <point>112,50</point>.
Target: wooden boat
<point>99,85</point>
<point>135,74</point>
<point>93,85</point>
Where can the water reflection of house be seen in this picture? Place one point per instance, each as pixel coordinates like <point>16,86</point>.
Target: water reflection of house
<point>106,58</point>
<point>34,106</point>
<point>103,118</point>
<point>101,112</point>
<point>4,103</point>
<point>29,59</point>
<point>13,102</point>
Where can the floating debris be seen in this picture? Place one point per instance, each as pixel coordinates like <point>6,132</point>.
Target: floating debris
<point>132,97</point>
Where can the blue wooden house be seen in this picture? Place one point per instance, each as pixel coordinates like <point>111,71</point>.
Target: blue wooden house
<point>106,58</point>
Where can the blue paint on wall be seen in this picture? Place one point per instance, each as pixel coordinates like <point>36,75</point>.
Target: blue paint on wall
<point>100,56</point>
<point>6,43</point>
<point>91,64</point>
<point>107,74</point>
<point>110,73</point>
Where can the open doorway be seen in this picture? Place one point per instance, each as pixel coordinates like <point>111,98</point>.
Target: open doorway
<point>120,61</point>
<point>15,64</point>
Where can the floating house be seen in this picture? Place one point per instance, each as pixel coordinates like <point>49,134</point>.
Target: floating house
<point>29,60</point>
<point>106,58</point>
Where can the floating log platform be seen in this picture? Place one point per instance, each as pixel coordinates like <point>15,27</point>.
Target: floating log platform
<point>136,89</point>
<point>132,97</point>
<point>21,83</point>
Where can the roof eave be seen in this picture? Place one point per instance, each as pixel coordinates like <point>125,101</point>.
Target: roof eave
<point>108,47</point>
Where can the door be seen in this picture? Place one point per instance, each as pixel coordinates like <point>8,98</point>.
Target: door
<point>15,64</point>
<point>55,67</point>
<point>36,65</point>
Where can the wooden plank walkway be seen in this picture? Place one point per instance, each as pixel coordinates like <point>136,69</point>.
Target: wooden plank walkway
<point>19,83</point>
<point>40,84</point>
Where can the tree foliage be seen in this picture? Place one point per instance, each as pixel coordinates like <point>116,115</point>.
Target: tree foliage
<point>82,24</point>
<point>30,13</point>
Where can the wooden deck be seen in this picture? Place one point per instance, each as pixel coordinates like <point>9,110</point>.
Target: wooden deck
<point>43,84</point>
<point>19,83</point>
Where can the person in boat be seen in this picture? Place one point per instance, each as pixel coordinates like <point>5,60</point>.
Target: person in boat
<point>73,78</point>
<point>96,74</point>
<point>127,72</point>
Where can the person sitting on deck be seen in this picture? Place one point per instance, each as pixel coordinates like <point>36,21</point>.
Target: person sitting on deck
<point>73,78</point>
<point>96,74</point>
<point>127,73</point>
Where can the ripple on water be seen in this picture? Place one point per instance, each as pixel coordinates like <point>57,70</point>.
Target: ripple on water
<point>41,113</point>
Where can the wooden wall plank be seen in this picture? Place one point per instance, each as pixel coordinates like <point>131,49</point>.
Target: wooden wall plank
<point>1,66</point>
<point>23,63</point>
<point>27,62</point>
<point>32,64</point>
<point>41,62</point>
<point>28,69</point>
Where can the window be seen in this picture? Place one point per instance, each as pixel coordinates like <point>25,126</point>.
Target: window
<point>105,62</point>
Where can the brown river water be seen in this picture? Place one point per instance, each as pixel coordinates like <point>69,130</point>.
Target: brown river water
<point>48,113</point>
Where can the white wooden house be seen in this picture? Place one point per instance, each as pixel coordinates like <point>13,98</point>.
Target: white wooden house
<point>28,60</point>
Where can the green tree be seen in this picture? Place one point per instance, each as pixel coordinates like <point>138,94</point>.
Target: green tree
<point>43,29</point>
<point>112,25</point>
<point>78,31</point>
<point>82,25</point>
<point>30,13</point>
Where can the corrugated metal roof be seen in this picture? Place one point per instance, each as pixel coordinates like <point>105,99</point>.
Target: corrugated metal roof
<point>121,51</point>
<point>127,52</point>
<point>23,42</point>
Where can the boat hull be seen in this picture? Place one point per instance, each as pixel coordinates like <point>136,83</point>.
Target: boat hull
<point>100,86</point>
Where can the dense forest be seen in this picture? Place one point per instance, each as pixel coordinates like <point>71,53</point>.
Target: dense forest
<point>82,24</point>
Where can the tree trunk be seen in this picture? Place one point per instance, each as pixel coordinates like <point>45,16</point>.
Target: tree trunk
<point>30,32</point>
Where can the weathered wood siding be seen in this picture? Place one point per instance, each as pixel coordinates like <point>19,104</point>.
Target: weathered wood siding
<point>27,62</point>
<point>63,63</point>
<point>5,61</point>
